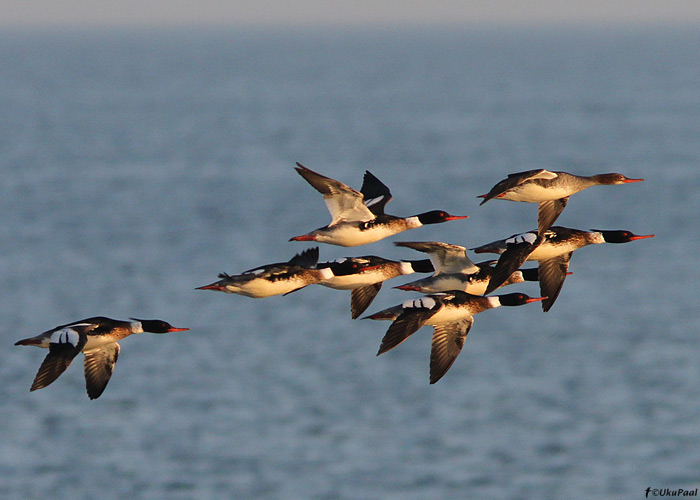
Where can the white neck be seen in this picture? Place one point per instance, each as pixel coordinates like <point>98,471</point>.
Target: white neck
<point>413,222</point>
<point>407,268</point>
<point>596,237</point>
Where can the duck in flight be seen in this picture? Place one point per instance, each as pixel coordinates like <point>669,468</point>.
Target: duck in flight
<point>357,217</point>
<point>364,276</point>
<point>451,314</point>
<point>553,252</point>
<point>97,339</point>
<point>455,271</point>
<point>551,190</point>
<point>273,279</point>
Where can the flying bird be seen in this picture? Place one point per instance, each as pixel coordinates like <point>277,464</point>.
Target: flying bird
<point>553,251</point>
<point>451,314</point>
<point>97,339</point>
<point>273,279</point>
<point>357,217</point>
<point>364,276</point>
<point>455,271</point>
<point>551,190</point>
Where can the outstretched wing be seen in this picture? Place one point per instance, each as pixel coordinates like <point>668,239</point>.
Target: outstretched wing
<point>376,193</point>
<point>551,274</point>
<point>99,364</point>
<point>548,212</point>
<point>517,251</point>
<point>390,314</point>
<point>448,341</point>
<point>343,202</point>
<point>362,297</point>
<point>64,345</point>
<point>446,258</point>
<point>408,323</point>
<point>514,180</point>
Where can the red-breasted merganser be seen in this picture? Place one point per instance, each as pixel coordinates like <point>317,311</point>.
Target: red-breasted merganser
<point>97,339</point>
<point>455,271</point>
<point>550,189</point>
<point>273,279</point>
<point>553,251</point>
<point>451,315</point>
<point>364,276</point>
<point>358,217</point>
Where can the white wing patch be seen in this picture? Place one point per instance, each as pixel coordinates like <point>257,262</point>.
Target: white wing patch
<point>65,336</point>
<point>372,201</point>
<point>423,302</point>
<point>545,174</point>
<point>528,238</point>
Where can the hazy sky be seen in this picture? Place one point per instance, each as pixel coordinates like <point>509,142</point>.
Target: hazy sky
<point>334,12</point>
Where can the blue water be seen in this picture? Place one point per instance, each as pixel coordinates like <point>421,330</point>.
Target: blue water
<point>135,167</point>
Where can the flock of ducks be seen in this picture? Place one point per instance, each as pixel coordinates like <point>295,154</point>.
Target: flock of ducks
<point>456,291</point>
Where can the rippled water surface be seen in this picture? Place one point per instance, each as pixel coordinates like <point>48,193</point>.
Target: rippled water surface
<point>135,167</point>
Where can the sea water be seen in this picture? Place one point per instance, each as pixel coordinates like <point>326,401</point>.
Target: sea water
<point>135,166</point>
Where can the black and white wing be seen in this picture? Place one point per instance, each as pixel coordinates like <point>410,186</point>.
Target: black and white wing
<point>376,193</point>
<point>518,249</point>
<point>413,316</point>
<point>64,345</point>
